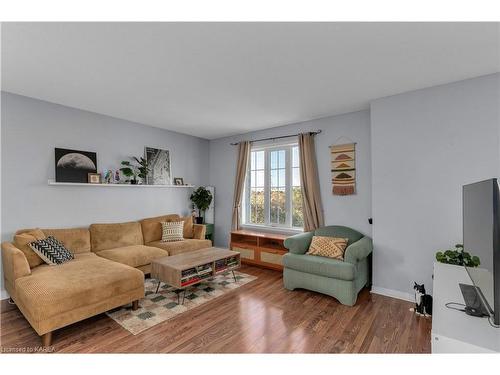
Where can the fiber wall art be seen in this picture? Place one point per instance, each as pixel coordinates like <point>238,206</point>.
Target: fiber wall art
<point>343,167</point>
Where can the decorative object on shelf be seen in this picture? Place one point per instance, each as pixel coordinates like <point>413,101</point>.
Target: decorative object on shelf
<point>201,198</point>
<point>73,165</point>
<point>108,176</point>
<point>141,169</point>
<point>178,181</point>
<point>94,178</point>
<point>458,257</point>
<point>423,301</point>
<point>159,166</point>
<point>117,176</point>
<point>343,167</point>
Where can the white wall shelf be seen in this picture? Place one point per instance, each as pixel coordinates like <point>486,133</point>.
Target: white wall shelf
<point>54,183</point>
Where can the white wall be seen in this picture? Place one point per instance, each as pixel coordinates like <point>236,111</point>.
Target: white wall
<point>352,211</point>
<point>426,144</point>
<point>31,129</point>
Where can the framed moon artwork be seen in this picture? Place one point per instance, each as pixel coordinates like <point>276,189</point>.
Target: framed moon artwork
<point>73,165</point>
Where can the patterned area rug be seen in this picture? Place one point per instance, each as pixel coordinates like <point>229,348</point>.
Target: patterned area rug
<point>158,307</point>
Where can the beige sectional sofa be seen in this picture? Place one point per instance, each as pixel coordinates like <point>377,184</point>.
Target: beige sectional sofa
<point>107,272</point>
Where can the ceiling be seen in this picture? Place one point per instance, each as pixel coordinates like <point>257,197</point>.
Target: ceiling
<point>217,79</point>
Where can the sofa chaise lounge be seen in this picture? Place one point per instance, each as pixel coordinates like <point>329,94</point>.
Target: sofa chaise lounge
<point>340,279</point>
<point>107,271</point>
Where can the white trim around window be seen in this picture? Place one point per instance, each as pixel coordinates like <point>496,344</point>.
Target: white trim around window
<point>270,170</point>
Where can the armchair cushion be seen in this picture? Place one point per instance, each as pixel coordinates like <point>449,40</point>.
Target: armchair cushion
<point>322,266</point>
<point>299,243</point>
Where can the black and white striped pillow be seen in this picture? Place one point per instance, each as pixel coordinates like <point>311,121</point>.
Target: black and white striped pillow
<point>51,251</point>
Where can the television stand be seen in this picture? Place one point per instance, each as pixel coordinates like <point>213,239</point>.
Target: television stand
<point>452,330</point>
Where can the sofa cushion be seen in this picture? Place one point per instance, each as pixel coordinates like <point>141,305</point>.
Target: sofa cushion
<point>111,236</point>
<point>322,266</point>
<point>23,238</point>
<point>83,281</point>
<point>76,240</point>
<point>151,227</point>
<point>183,246</point>
<point>133,256</point>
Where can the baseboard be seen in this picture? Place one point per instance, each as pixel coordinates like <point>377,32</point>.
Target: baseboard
<point>4,294</point>
<point>393,293</point>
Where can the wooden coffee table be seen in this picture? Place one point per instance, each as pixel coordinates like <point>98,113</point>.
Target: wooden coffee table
<point>194,267</point>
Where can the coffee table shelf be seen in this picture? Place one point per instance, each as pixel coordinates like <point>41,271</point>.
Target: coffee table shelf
<point>184,270</point>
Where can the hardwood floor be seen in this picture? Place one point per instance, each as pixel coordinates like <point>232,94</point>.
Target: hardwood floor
<point>260,317</point>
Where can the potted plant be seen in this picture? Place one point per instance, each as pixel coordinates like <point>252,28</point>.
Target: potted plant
<point>141,169</point>
<point>201,198</point>
<point>458,257</point>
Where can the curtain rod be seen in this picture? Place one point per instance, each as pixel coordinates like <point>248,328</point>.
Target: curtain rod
<point>279,137</point>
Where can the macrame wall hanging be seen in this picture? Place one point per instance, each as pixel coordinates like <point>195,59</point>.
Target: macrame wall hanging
<point>343,168</point>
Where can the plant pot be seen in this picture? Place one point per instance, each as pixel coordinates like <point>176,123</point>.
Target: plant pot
<point>133,182</point>
<point>199,220</point>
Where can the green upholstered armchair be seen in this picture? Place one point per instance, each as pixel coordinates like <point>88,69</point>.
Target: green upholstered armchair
<point>340,279</point>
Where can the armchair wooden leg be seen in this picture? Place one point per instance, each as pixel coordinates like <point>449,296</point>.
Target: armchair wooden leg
<point>47,339</point>
<point>135,305</point>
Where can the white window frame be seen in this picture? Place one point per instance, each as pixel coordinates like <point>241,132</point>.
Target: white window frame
<point>287,226</point>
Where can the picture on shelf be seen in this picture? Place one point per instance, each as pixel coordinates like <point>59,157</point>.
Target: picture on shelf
<point>158,162</point>
<point>178,181</point>
<point>94,178</point>
<point>74,165</point>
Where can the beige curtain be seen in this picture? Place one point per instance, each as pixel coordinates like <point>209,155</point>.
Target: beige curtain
<point>239,183</point>
<point>312,207</point>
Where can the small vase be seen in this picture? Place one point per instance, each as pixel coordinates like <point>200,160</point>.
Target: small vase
<point>133,182</point>
<point>199,220</point>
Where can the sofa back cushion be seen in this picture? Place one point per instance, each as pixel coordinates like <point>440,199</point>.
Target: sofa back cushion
<point>23,238</point>
<point>76,240</point>
<point>339,231</point>
<point>151,227</point>
<point>110,236</point>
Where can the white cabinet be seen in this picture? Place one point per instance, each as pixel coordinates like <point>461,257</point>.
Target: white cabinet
<point>454,331</point>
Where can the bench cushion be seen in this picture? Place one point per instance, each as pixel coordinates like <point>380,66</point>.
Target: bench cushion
<point>85,280</point>
<point>318,265</point>
<point>179,247</point>
<point>133,256</point>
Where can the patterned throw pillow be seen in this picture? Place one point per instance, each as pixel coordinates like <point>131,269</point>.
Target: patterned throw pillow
<point>51,251</point>
<point>331,247</point>
<point>172,231</point>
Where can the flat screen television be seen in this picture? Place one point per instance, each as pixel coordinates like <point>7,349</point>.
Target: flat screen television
<point>481,236</point>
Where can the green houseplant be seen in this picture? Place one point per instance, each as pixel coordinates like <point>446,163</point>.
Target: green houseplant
<point>132,171</point>
<point>201,198</point>
<point>458,257</point>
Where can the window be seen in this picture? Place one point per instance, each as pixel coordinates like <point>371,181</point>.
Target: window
<point>273,196</point>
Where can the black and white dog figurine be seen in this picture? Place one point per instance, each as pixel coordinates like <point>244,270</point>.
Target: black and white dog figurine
<point>423,301</point>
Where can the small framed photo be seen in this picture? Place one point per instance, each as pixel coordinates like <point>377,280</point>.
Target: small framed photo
<point>178,181</point>
<point>94,178</point>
